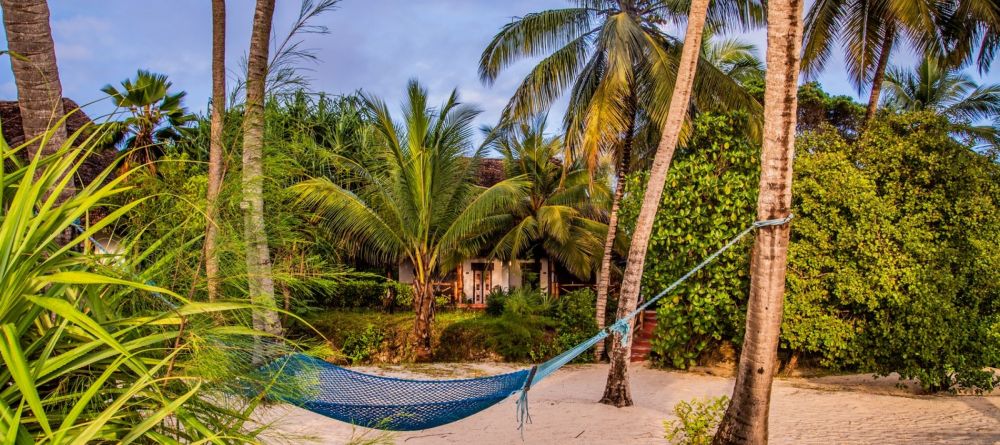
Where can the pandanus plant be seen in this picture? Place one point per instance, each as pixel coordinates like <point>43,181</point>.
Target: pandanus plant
<point>88,352</point>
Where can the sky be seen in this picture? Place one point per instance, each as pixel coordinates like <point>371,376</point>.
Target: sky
<point>375,45</point>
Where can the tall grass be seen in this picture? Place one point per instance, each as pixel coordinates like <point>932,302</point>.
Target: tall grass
<point>90,352</point>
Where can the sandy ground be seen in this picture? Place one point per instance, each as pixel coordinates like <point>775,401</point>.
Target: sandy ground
<point>827,410</point>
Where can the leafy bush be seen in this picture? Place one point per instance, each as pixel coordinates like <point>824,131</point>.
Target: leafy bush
<point>574,315</point>
<point>495,301</point>
<point>366,294</point>
<point>713,192</point>
<point>696,421</point>
<point>88,352</point>
<point>513,338</point>
<point>360,346</point>
<point>894,257</point>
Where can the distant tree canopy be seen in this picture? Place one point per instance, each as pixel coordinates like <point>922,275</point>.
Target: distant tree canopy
<point>893,261</point>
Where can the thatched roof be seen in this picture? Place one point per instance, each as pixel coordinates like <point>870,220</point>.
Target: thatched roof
<point>13,133</point>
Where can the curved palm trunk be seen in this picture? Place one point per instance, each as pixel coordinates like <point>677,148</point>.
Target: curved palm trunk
<point>39,92</point>
<point>258,257</point>
<point>746,418</point>
<point>215,146</point>
<point>617,391</point>
<point>879,77</point>
<point>604,279</point>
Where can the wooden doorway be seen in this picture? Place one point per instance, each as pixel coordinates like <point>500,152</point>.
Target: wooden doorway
<point>482,282</point>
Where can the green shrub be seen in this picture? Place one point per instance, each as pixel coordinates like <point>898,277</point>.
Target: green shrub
<point>525,301</point>
<point>574,315</point>
<point>696,421</point>
<point>513,338</point>
<point>495,301</point>
<point>366,294</point>
<point>892,266</point>
<point>713,192</point>
<point>360,346</point>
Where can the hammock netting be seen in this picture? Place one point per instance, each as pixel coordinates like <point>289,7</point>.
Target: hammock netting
<point>389,403</point>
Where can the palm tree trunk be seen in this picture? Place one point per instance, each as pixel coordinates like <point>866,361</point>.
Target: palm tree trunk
<point>215,146</point>
<point>746,418</point>
<point>879,77</point>
<point>33,61</point>
<point>617,391</point>
<point>423,300</point>
<point>258,258</point>
<point>604,279</point>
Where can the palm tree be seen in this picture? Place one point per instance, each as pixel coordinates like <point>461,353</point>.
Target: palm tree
<point>215,155</point>
<point>156,116</point>
<point>419,202</point>
<point>258,256</point>
<point>948,92</point>
<point>617,391</point>
<point>619,66</point>
<point>867,31</point>
<point>560,215</point>
<point>971,32</point>
<point>746,418</point>
<point>734,57</point>
<point>36,74</point>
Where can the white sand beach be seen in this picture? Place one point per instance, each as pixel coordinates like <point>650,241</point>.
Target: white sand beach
<point>827,410</point>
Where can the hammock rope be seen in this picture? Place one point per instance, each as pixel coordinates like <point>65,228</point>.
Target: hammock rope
<point>396,404</point>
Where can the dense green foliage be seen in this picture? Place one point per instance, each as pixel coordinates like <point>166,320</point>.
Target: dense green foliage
<point>712,191</point>
<point>893,259</point>
<point>385,295</point>
<point>531,327</point>
<point>302,134</point>
<point>89,351</point>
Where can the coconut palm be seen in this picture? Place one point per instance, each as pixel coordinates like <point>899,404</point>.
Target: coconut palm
<point>734,57</point>
<point>258,256</point>
<point>215,154</point>
<point>418,203</point>
<point>746,419</point>
<point>619,66</point>
<point>868,31</point>
<point>971,32</point>
<point>617,390</point>
<point>33,61</point>
<point>156,116</point>
<point>949,92</point>
<point>560,215</point>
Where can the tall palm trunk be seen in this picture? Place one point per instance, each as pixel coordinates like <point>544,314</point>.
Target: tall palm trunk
<point>39,92</point>
<point>604,279</point>
<point>215,146</point>
<point>258,258</point>
<point>746,419</point>
<point>879,77</point>
<point>617,391</point>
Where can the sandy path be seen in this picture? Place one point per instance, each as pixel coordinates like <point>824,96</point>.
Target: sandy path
<point>803,411</point>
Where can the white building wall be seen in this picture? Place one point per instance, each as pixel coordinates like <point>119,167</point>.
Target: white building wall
<point>407,274</point>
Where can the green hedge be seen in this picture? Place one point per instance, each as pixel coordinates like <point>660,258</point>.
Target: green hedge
<point>893,259</point>
<point>711,196</point>
<point>389,295</point>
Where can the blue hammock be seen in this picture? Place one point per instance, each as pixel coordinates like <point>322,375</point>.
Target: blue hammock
<point>388,403</point>
<point>405,405</point>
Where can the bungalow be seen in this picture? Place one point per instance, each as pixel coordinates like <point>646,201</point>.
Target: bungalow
<point>470,284</point>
